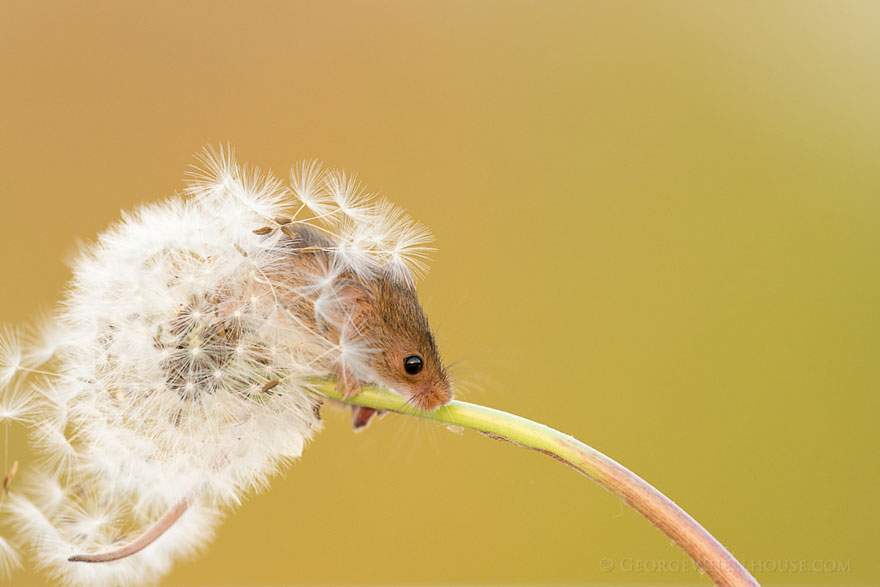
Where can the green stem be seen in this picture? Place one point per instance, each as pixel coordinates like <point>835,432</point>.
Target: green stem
<point>673,521</point>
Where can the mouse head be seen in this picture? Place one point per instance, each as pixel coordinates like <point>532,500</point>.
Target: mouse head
<point>405,356</point>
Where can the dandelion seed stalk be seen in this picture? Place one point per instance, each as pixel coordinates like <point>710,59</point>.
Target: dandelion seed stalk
<point>687,533</point>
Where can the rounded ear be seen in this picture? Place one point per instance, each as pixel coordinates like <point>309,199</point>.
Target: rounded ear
<point>346,302</point>
<point>356,300</point>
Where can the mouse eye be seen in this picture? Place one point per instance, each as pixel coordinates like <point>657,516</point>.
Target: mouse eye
<point>413,364</point>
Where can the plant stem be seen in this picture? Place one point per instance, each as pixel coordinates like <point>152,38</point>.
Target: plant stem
<point>673,521</point>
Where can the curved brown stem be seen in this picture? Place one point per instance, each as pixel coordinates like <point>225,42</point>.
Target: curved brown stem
<point>142,541</point>
<point>721,566</point>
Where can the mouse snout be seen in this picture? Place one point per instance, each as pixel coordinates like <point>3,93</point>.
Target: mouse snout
<point>432,396</point>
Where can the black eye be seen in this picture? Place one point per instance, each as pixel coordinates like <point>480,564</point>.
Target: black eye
<point>413,364</point>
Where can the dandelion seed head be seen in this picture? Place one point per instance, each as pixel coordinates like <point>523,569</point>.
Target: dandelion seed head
<point>184,356</point>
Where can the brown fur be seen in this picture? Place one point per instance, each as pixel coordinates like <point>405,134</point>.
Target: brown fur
<point>386,313</point>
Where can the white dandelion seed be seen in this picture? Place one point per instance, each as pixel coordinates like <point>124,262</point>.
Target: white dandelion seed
<point>349,195</point>
<point>214,173</point>
<point>11,354</point>
<point>407,254</point>
<point>56,451</point>
<point>47,338</point>
<point>355,352</point>
<point>9,559</point>
<point>27,519</point>
<point>400,242</point>
<point>355,249</point>
<point>47,491</point>
<point>17,403</point>
<point>307,185</point>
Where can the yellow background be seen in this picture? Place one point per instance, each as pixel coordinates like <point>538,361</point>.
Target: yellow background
<point>657,230</point>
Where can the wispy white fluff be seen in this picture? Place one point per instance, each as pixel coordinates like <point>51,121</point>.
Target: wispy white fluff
<point>175,366</point>
<point>9,559</point>
<point>17,403</point>
<point>11,354</point>
<point>44,339</point>
<point>308,187</point>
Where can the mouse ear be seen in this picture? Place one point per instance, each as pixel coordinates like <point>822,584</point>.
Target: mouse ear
<point>357,300</point>
<point>345,302</point>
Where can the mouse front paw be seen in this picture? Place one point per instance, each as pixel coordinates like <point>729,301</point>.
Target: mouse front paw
<point>347,384</point>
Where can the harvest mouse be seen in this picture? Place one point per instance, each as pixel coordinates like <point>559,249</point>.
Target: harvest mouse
<point>376,312</point>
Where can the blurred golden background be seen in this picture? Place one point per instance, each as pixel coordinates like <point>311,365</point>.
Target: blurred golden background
<point>657,230</point>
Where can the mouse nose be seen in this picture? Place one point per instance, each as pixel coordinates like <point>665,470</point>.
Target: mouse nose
<point>431,397</point>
